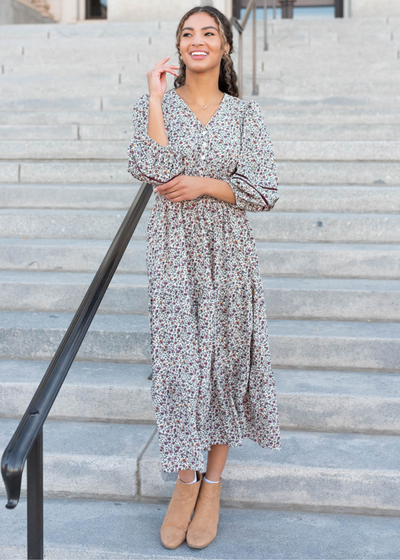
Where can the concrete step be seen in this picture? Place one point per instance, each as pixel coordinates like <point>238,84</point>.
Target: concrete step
<point>363,70</point>
<point>59,103</point>
<point>276,87</point>
<point>126,338</point>
<point>290,172</point>
<point>310,43</point>
<point>43,87</point>
<point>331,228</point>
<point>106,29</point>
<point>290,46</point>
<point>64,291</point>
<point>331,401</point>
<point>118,115</point>
<point>48,132</point>
<point>285,150</point>
<point>287,298</point>
<point>304,260</point>
<point>279,132</point>
<point>332,299</point>
<point>94,196</point>
<point>333,199</point>
<point>276,227</point>
<point>102,530</point>
<point>339,109</point>
<point>332,103</point>
<point>334,472</point>
<point>63,31</point>
<point>88,459</point>
<point>108,57</point>
<point>321,471</point>
<point>36,56</point>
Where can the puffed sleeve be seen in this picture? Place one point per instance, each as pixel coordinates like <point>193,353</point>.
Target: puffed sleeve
<point>148,161</point>
<point>254,181</point>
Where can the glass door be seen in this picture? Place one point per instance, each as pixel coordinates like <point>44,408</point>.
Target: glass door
<point>96,9</point>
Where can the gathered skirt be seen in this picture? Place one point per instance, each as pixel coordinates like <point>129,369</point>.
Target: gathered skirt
<point>212,379</point>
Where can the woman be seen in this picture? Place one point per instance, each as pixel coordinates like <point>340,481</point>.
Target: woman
<point>209,157</point>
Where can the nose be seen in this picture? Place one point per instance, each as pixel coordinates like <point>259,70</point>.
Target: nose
<point>197,42</point>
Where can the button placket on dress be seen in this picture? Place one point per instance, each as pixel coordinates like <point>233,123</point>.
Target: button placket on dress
<point>204,145</point>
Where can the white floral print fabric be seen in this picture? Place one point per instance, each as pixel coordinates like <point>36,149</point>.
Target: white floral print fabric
<point>212,377</point>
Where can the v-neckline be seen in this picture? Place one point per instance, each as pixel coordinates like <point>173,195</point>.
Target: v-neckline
<point>195,116</point>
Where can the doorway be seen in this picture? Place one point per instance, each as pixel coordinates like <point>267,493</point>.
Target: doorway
<point>96,9</point>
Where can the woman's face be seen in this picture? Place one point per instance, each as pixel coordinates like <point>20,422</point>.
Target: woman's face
<point>201,43</point>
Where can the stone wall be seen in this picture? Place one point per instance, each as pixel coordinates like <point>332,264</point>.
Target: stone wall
<point>68,11</point>
<point>13,11</point>
<point>375,8</point>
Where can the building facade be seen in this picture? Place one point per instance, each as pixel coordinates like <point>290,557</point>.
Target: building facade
<point>72,11</point>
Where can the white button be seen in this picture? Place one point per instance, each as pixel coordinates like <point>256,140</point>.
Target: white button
<point>204,145</point>
<point>203,157</point>
<point>204,131</point>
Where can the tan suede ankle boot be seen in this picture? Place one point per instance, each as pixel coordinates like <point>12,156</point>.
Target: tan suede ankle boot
<point>202,529</point>
<point>177,519</point>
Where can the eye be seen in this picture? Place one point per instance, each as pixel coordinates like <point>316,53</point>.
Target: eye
<point>187,33</point>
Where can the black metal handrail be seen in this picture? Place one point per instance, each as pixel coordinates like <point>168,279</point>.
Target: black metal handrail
<point>27,441</point>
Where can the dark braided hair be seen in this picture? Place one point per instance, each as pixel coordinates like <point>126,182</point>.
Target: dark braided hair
<point>227,81</point>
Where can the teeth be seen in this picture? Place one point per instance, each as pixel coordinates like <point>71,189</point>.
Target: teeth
<point>199,52</point>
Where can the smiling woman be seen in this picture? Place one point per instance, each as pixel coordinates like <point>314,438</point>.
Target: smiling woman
<point>209,157</point>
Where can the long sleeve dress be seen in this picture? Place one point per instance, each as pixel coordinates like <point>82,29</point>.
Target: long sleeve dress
<point>212,378</point>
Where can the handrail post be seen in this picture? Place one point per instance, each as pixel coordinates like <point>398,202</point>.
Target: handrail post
<point>255,88</point>
<point>240,26</point>
<point>265,25</point>
<point>240,64</point>
<point>274,8</point>
<point>35,499</point>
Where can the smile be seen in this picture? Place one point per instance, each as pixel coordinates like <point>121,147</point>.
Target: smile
<point>198,54</point>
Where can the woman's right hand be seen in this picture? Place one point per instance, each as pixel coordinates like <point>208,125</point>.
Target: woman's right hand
<point>157,78</point>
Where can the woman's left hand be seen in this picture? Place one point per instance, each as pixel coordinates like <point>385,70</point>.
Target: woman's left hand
<point>183,187</point>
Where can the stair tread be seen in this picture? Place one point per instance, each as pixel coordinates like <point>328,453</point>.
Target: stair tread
<point>276,283</point>
<point>107,530</point>
<point>87,438</point>
<point>112,322</point>
<point>364,385</point>
<point>302,449</point>
<point>253,216</point>
<point>273,246</point>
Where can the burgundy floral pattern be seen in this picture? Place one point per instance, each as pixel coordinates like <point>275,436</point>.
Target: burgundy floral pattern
<point>212,376</point>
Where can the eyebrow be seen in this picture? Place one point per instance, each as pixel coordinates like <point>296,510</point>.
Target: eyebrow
<point>209,27</point>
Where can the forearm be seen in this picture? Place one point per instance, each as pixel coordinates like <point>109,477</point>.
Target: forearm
<point>219,189</point>
<point>156,126</point>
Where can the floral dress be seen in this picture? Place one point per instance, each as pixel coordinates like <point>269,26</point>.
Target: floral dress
<point>212,379</point>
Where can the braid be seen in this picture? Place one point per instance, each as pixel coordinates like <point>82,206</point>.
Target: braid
<point>227,81</point>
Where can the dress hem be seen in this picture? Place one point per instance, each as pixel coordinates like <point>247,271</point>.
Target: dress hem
<point>168,475</point>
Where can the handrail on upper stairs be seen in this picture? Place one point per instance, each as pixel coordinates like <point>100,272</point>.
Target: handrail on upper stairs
<point>240,25</point>
<point>27,441</point>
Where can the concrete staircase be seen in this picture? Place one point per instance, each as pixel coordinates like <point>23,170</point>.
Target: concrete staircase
<point>330,260</point>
